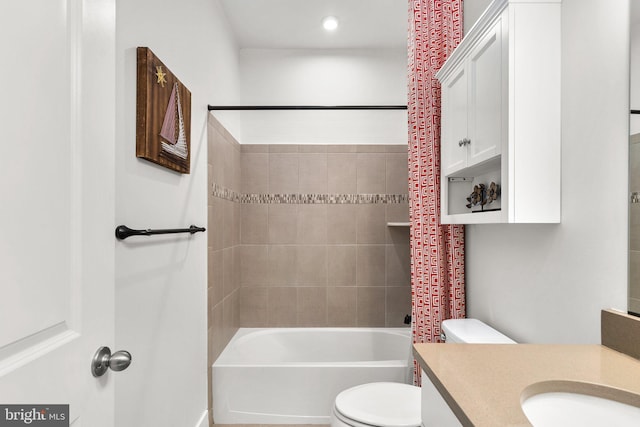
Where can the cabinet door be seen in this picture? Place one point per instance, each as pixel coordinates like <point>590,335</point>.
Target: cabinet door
<point>486,99</point>
<point>454,122</point>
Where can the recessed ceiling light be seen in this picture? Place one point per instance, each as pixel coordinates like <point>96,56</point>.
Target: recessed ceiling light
<point>330,23</point>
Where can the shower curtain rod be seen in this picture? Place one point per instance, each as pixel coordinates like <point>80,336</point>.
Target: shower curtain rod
<point>305,107</point>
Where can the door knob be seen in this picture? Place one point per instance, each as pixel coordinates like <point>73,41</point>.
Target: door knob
<point>103,360</point>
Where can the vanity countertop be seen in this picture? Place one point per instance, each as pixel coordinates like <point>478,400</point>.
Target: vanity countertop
<point>484,383</point>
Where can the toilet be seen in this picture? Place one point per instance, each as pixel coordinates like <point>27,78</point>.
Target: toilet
<point>387,404</point>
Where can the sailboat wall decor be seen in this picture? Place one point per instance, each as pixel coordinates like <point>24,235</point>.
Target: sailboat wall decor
<point>163,114</point>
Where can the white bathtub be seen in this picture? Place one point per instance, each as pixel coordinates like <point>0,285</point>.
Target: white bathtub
<point>292,375</point>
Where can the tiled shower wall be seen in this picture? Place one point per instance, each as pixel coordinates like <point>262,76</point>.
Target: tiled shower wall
<point>315,248</point>
<point>223,232</point>
<point>298,236</point>
<point>634,225</point>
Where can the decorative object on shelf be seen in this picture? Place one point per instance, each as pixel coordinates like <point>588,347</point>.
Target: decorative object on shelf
<point>478,196</point>
<point>493,193</point>
<point>163,114</point>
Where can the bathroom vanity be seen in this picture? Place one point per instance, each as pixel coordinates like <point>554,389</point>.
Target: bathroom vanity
<point>485,384</point>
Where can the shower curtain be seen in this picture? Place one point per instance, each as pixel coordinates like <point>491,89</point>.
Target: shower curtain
<point>437,251</point>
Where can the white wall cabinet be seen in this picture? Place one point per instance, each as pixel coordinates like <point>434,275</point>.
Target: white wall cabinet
<point>501,116</point>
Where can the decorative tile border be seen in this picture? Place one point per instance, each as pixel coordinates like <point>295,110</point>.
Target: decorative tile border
<point>308,199</point>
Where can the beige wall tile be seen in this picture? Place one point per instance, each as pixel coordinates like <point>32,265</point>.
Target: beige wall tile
<point>398,149</point>
<point>210,306</point>
<point>398,235</point>
<point>283,148</point>
<point>312,173</point>
<point>254,148</point>
<point>229,317</point>
<point>254,265</point>
<point>216,157</point>
<point>282,307</point>
<point>371,173</point>
<point>634,225</point>
<point>229,279</point>
<point>237,215</point>
<point>215,275</point>
<point>370,264</point>
<point>341,306</point>
<point>283,224</point>
<point>398,305</point>
<point>237,169</point>
<point>397,173</point>
<point>216,224</point>
<point>282,262</point>
<point>227,168</point>
<point>341,173</point>
<point>235,297</point>
<point>371,148</point>
<point>237,267</point>
<point>370,306</point>
<point>371,223</point>
<point>341,224</point>
<point>634,167</point>
<point>341,262</point>
<point>209,184</point>
<point>312,306</point>
<point>300,264</point>
<point>255,173</point>
<point>283,173</point>
<point>398,269</point>
<point>311,265</point>
<point>228,220</point>
<point>634,274</point>
<point>342,148</point>
<point>398,212</point>
<point>312,224</point>
<point>217,341</point>
<point>254,305</point>
<point>312,148</point>
<point>254,224</point>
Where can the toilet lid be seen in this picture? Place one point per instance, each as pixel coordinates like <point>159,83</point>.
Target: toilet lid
<point>381,404</point>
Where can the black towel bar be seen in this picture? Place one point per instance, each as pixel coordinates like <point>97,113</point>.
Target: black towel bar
<point>122,231</point>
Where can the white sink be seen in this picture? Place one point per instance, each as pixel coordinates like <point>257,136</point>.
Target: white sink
<point>565,408</point>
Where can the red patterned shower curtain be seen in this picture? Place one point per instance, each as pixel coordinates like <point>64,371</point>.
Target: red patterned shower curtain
<point>437,251</point>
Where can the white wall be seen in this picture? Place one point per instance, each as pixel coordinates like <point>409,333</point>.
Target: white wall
<point>548,283</point>
<point>324,77</point>
<point>472,9</point>
<point>161,282</point>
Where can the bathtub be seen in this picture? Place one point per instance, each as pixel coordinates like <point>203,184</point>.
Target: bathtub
<point>292,375</point>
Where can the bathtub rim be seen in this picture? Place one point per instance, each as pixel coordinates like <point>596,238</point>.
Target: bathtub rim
<point>244,334</point>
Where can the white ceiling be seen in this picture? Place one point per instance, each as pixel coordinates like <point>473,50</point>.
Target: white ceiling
<point>282,24</point>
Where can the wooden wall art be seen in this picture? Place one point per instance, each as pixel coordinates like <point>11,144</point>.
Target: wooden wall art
<point>163,114</point>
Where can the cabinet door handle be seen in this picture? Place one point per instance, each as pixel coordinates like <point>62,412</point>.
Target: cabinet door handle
<point>466,141</point>
<point>461,142</point>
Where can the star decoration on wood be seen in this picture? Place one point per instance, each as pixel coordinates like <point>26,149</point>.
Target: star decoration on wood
<point>161,75</point>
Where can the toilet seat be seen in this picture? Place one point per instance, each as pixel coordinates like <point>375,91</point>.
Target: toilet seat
<point>379,404</point>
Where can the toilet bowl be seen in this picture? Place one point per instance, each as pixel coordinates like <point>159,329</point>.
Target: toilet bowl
<point>377,404</point>
<point>398,405</point>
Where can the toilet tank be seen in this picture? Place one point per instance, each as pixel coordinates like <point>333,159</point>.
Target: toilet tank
<point>472,331</point>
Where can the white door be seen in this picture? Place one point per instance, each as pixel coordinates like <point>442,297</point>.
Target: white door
<point>486,98</point>
<point>56,204</point>
<point>454,122</point>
